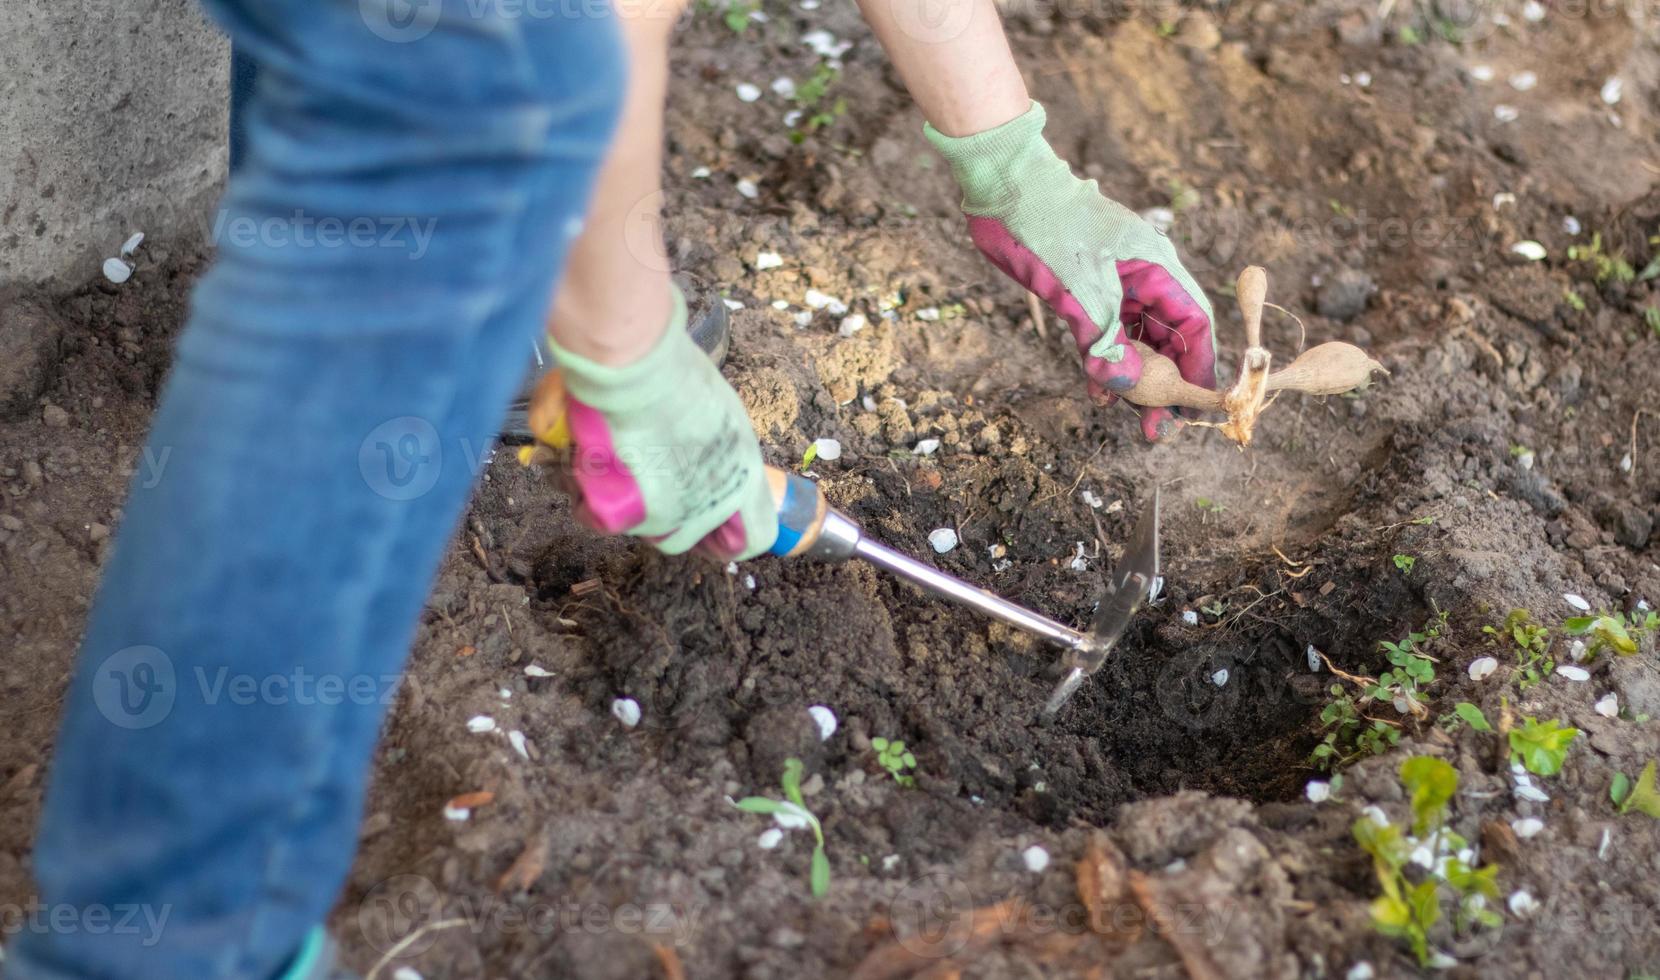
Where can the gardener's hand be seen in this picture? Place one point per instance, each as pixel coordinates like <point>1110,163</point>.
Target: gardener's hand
<point>1096,263</point>
<point>661,449</point>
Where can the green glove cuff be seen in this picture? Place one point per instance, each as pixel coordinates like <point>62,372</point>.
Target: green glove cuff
<point>632,386</point>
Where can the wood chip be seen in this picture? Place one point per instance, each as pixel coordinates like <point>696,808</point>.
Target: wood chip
<point>466,651</point>
<point>1102,887</point>
<point>586,586</point>
<point>467,801</point>
<point>523,873</point>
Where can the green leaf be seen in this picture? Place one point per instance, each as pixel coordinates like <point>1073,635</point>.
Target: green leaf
<point>1391,915</point>
<point>1472,716</point>
<point>1578,625</point>
<point>810,455</point>
<point>879,743</point>
<point>1542,746</point>
<point>1644,797</point>
<point>1432,782</point>
<point>1405,563</point>
<point>1620,789</point>
<point>909,760</point>
<point>759,804</point>
<point>1426,908</point>
<point>791,781</point>
<point>820,874</point>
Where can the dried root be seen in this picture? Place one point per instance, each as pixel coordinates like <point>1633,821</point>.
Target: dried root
<point>1328,369</point>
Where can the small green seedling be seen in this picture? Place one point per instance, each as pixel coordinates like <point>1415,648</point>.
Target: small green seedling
<point>1532,643</point>
<point>1651,316</point>
<point>808,456</point>
<point>1404,563</point>
<point>1574,300</point>
<point>1412,671</point>
<point>1207,504</point>
<point>1605,266</point>
<point>1350,735</point>
<point>1641,796</point>
<point>1465,713</point>
<point>1541,746</point>
<point>895,758</point>
<point>1612,631</point>
<point>790,813</point>
<point>1410,909</point>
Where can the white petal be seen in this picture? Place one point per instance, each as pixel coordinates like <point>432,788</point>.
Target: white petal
<point>1571,225</point>
<point>1612,90</point>
<point>1532,793</point>
<point>536,670</point>
<point>828,449</point>
<point>1482,667</point>
<point>1313,658</point>
<point>749,582</point>
<point>1576,651</point>
<point>769,838</point>
<point>1527,827</point>
<point>1506,113</point>
<point>1360,971</point>
<point>1220,678</point>
<point>1608,705</point>
<point>1524,81</point>
<point>748,92</point>
<point>732,304</point>
<point>1089,497</point>
<point>747,188</point>
<point>700,173</point>
<point>1190,617</point>
<point>1422,856</point>
<point>1530,250</point>
<point>516,739</point>
<point>1521,904</point>
<point>456,813</point>
<point>1376,815</point>
<point>768,260</point>
<point>1577,601</point>
<point>1533,11</point>
<point>627,711</point>
<point>407,973</point>
<point>803,318</point>
<point>943,539</point>
<point>929,313</point>
<point>132,243</point>
<point>117,270</point>
<point>926,447</point>
<point>1573,673</point>
<point>1035,858</point>
<point>1481,73</point>
<point>1317,791</point>
<point>792,817</point>
<point>784,87</point>
<point>852,324</point>
<point>1502,198</point>
<point>479,724</point>
<point>825,720</point>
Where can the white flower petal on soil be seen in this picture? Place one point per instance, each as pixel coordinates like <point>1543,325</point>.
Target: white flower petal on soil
<point>1612,91</point>
<point>784,87</point>
<point>1375,813</point>
<point>132,243</point>
<point>1156,589</point>
<point>1482,667</point>
<point>1576,651</point>
<point>627,711</point>
<point>803,318</point>
<point>1317,791</point>
<point>748,92</point>
<point>928,313</point>
<point>890,862</point>
<point>1521,903</point>
<point>768,260</point>
<point>942,539</point>
<point>117,270</point>
<point>1530,250</point>
<point>1002,566</point>
<point>1571,225</point>
<point>792,117</point>
<point>1089,497</point>
<point>769,838</point>
<point>1079,563</point>
<point>479,724</point>
<point>1190,617</point>
<point>828,449</point>
<point>749,582</point>
<point>1608,705</point>
<point>456,813</point>
<point>747,188</point>
<point>824,720</point>
<point>1573,673</point>
<point>817,300</point>
<point>1360,971</point>
<point>1220,678</point>
<point>1524,81</point>
<point>1527,827</point>
<point>537,670</point>
<point>1160,218</point>
<point>1506,113</point>
<point>1602,845</point>
<point>1422,856</point>
<point>1577,601</point>
<point>731,568</point>
<point>1441,961</point>
<point>1526,459</point>
<point>1502,198</point>
<point>791,817</point>
<point>926,447</point>
<point>407,973</point>
<point>1530,792</point>
<point>733,304</point>
<point>825,45</point>
<point>1035,858</point>
<point>516,739</point>
<point>1625,463</point>
<point>701,173</point>
<point>1481,73</point>
<point>780,304</point>
<point>1313,658</point>
<point>852,324</point>
<point>1363,79</point>
<point>1533,11</point>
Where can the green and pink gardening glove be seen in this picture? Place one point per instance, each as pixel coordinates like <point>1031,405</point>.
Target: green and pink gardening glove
<point>660,449</point>
<point>1097,264</point>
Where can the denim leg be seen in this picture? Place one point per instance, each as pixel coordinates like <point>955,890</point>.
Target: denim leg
<point>386,253</point>
<point>236,123</point>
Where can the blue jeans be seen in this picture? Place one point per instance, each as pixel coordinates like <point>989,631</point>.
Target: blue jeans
<point>387,250</point>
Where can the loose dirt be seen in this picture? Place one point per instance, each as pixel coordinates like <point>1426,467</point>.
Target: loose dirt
<point>1364,172</point>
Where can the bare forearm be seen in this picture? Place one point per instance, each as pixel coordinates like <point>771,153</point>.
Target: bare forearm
<point>955,60</point>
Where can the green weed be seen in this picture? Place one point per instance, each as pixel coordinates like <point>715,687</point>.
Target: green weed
<point>792,812</point>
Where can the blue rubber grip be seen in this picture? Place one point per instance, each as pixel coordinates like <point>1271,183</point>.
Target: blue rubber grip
<point>796,513</point>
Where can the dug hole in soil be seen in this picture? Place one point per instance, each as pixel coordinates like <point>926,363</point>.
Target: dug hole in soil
<point>1510,454</point>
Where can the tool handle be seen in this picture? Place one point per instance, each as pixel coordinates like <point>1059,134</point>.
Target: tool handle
<point>801,507</point>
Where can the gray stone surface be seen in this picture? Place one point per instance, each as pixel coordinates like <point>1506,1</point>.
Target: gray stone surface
<point>112,120</point>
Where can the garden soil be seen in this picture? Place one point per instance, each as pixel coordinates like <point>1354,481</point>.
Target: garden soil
<point>1510,454</point>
